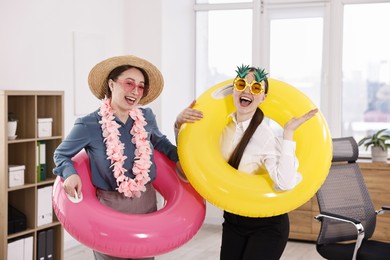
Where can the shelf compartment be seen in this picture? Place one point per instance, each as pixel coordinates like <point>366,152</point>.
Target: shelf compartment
<point>55,238</point>
<point>21,200</point>
<point>50,146</point>
<point>23,108</point>
<point>24,153</point>
<point>49,106</point>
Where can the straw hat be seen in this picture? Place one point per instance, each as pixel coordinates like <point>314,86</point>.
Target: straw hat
<point>97,78</point>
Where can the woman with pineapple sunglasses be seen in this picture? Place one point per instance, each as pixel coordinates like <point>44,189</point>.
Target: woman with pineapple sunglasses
<point>249,145</point>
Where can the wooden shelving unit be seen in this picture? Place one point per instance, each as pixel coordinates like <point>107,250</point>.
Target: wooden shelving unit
<point>377,178</point>
<point>28,106</point>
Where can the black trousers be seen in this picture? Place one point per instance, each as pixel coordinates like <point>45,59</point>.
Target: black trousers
<point>245,238</point>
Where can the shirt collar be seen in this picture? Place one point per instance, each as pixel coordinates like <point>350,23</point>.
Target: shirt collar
<point>243,124</point>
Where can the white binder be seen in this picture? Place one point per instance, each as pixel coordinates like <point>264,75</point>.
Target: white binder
<point>28,248</point>
<point>14,250</point>
<point>45,211</point>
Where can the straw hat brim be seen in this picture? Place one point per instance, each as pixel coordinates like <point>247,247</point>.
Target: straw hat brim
<point>97,78</point>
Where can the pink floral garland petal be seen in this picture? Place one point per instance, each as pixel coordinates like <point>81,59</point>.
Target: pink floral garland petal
<point>115,148</point>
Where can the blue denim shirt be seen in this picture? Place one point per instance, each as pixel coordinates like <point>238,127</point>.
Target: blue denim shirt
<point>87,134</point>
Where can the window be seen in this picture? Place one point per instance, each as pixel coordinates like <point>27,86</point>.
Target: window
<point>221,1</point>
<point>296,49</point>
<point>366,69</point>
<point>223,40</point>
<point>336,52</point>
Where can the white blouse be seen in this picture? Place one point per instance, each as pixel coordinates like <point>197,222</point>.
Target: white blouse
<point>264,152</point>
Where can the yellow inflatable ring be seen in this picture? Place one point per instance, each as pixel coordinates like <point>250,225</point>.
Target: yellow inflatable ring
<point>241,193</point>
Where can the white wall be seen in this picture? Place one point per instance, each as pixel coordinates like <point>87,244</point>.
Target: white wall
<point>52,44</point>
<point>37,45</point>
<point>42,42</point>
<point>37,42</point>
<point>168,40</point>
<point>178,66</point>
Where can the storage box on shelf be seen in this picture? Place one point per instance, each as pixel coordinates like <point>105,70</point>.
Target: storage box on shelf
<point>24,198</point>
<point>15,175</point>
<point>45,127</point>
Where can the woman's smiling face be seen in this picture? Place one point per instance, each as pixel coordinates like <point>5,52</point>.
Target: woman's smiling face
<point>128,89</point>
<point>246,102</point>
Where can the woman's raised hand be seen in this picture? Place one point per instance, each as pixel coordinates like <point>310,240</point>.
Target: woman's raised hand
<point>294,123</point>
<point>188,115</point>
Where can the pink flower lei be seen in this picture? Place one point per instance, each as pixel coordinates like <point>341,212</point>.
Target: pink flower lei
<point>128,186</point>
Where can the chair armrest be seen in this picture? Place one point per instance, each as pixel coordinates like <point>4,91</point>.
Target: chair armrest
<point>384,209</point>
<point>338,217</point>
<point>357,223</point>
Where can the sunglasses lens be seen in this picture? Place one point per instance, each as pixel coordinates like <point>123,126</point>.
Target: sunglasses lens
<point>240,84</point>
<point>256,88</point>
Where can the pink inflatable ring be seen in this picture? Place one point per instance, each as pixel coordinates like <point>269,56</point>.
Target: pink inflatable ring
<point>128,235</point>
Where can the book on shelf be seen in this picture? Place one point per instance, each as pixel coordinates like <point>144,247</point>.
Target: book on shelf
<point>45,243</point>
<point>41,161</point>
<point>45,206</point>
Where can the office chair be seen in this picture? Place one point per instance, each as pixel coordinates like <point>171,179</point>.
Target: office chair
<point>347,213</point>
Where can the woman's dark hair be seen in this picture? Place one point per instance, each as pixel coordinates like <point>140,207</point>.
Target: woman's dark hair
<point>115,73</point>
<point>252,69</point>
<point>256,120</point>
<point>266,85</point>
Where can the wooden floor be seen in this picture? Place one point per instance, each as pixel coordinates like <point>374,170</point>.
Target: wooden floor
<point>205,246</point>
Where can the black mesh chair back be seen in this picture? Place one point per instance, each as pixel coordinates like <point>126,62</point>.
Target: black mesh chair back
<point>344,193</point>
<point>345,149</point>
